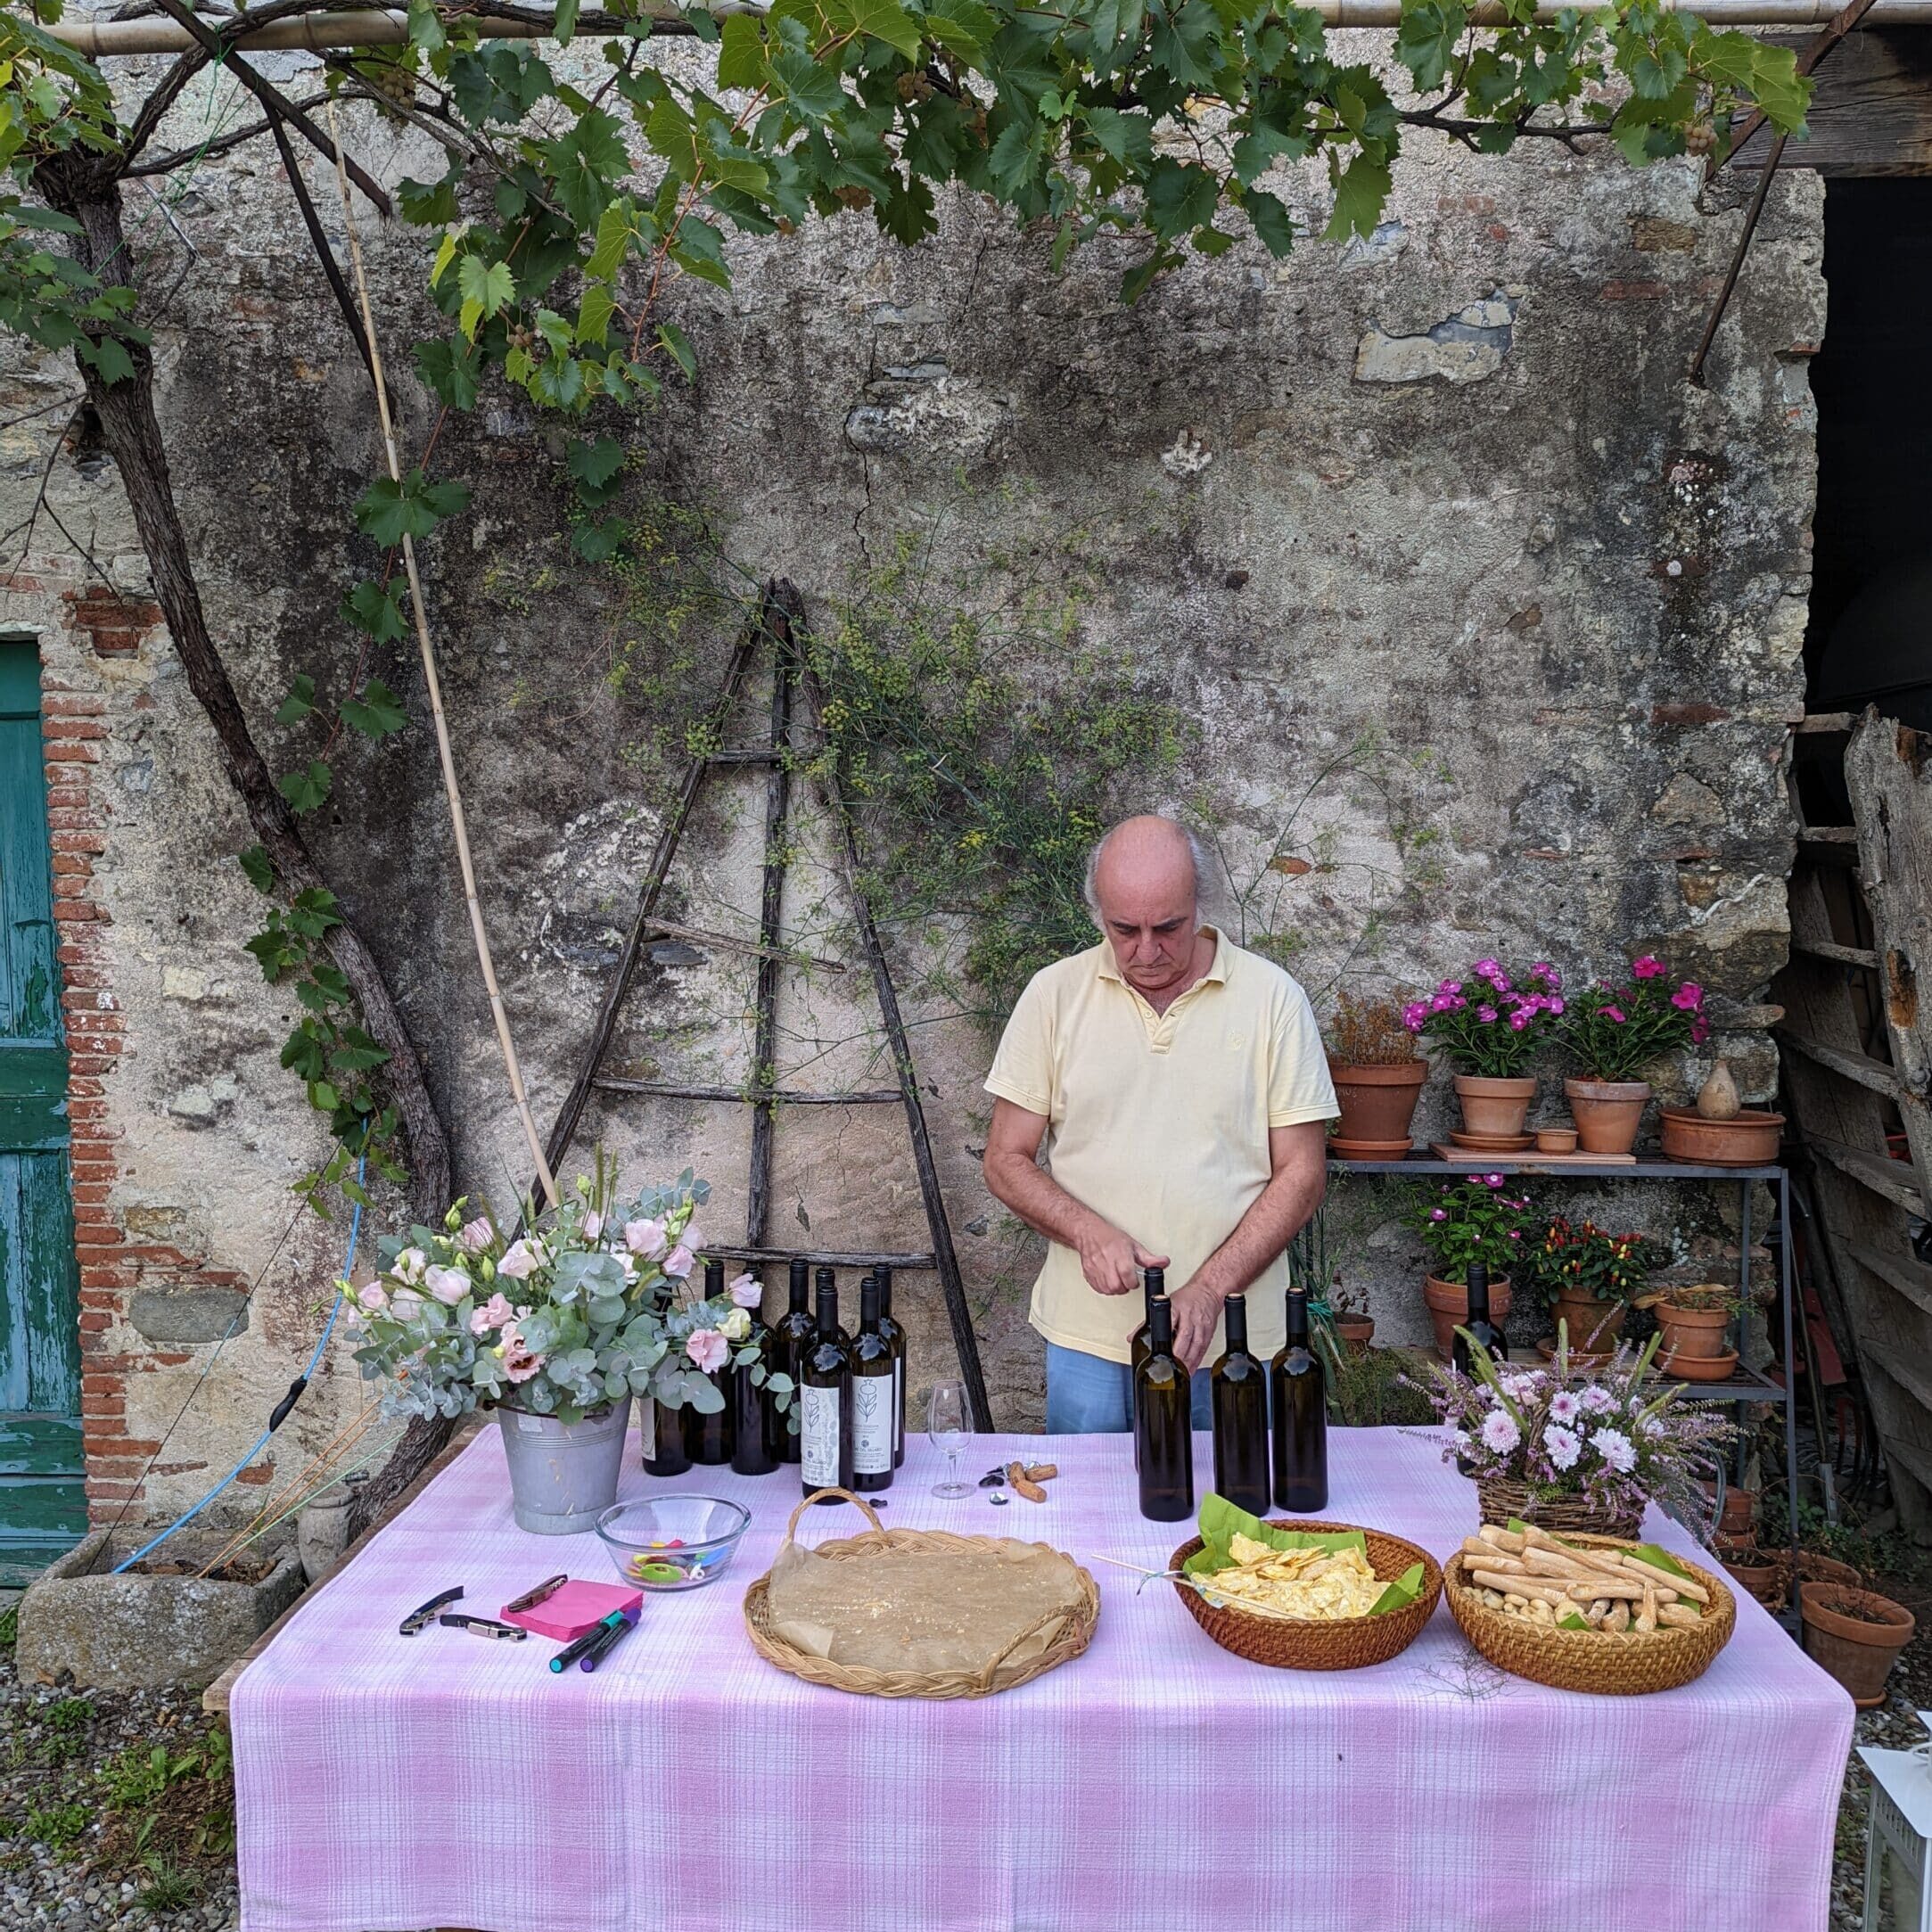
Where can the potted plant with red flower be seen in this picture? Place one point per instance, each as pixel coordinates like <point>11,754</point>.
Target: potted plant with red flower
<point>1488,1026</point>
<point>1614,1032</point>
<point>1590,1278</point>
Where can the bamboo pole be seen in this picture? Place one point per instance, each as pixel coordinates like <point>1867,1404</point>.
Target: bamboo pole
<point>458,824</point>
<point>108,40</point>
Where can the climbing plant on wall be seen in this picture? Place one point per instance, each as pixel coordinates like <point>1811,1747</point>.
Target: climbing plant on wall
<point>579,189</point>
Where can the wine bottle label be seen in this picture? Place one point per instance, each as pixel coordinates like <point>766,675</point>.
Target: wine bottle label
<point>648,1427</point>
<point>872,1425</point>
<point>818,1437</point>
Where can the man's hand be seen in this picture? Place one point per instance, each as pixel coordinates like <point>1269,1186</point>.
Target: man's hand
<point>1111,1260</point>
<point>1197,1311</point>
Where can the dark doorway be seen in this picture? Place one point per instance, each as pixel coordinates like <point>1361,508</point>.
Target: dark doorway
<point>1870,639</point>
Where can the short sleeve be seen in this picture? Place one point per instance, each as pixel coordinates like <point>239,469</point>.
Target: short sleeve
<point>1022,1065</point>
<point>1299,1087</point>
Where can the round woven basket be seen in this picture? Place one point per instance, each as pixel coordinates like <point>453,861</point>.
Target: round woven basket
<point>1613,1663</point>
<point>1338,1644</point>
<point>1501,1498</point>
<point>1069,1630</point>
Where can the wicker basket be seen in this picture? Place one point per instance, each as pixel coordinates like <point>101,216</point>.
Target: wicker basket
<point>1338,1644</point>
<point>1610,1662</point>
<point>1501,1497</point>
<point>1071,1630</point>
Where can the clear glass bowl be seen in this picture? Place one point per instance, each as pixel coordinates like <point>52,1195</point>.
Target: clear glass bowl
<point>672,1543</point>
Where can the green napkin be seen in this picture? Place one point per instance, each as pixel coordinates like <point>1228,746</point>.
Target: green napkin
<point>1221,1522</point>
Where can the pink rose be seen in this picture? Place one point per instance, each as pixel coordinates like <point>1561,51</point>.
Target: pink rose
<point>495,1314</point>
<point>372,1296</point>
<point>448,1285</point>
<point>708,1349</point>
<point>474,1236</point>
<point>1649,967</point>
<point>1688,996</point>
<point>747,1290</point>
<point>678,1260</point>
<point>644,1237</point>
<point>520,1261</point>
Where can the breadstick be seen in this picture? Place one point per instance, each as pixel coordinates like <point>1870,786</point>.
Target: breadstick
<point>1647,1618</point>
<point>1519,1586</point>
<point>1503,1539</point>
<point>1619,1617</point>
<point>1602,1586</point>
<point>1682,1586</point>
<point>1679,1615</point>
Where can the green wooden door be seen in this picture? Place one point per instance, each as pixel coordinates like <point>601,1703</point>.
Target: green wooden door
<point>43,1508</point>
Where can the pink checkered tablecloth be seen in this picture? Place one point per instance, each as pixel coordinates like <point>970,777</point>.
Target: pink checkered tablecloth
<point>388,1784</point>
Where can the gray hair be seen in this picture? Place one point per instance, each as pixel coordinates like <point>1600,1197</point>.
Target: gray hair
<point>1196,853</point>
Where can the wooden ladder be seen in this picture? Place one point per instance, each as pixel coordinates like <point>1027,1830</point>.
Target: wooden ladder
<point>1858,1065</point>
<point>777,632</point>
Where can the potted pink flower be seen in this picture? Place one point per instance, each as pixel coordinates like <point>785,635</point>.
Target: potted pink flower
<point>1487,1025</point>
<point>1613,1033</point>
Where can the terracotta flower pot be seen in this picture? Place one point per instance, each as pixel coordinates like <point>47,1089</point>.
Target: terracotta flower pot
<point>1607,1112</point>
<point>1695,1334</point>
<point>1356,1331</point>
<point>1495,1108</point>
<point>1448,1307</point>
<point>1814,1568</point>
<point>1854,1634</point>
<point>1377,1105</point>
<point>1739,1513</point>
<point>1595,1326</point>
<point>1747,1140</point>
<point>1762,1575</point>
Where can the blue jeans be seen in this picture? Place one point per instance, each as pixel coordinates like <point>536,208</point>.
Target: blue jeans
<point>1090,1395</point>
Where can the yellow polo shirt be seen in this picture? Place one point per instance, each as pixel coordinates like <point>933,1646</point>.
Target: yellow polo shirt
<point>1159,1121</point>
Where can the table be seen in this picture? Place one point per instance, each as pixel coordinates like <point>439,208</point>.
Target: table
<point>386,1784</point>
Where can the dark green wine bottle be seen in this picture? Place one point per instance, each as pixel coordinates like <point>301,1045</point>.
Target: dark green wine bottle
<point>894,1334</point>
<point>1240,1388</point>
<point>1153,1285</point>
<point>758,1429</point>
<point>826,1398</point>
<point>872,1395</point>
<point>1164,1430</point>
<point>791,1338</point>
<point>1301,1469</point>
<point>709,1436</point>
<point>1480,1325</point>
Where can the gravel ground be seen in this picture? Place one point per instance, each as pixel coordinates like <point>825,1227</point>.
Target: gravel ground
<point>52,1755</point>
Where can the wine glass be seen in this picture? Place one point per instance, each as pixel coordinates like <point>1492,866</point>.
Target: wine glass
<point>948,1427</point>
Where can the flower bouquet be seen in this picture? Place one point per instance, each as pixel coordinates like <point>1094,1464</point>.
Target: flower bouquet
<point>1488,1026</point>
<point>1613,1034</point>
<point>1574,1456</point>
<point>557,1328</point>
<point>1479,1218</point>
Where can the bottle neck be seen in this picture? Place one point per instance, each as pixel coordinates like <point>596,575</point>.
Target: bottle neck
<point>1297,1319</point>
<point>885,1291</point>
<point>1161,1326</point>
<point>1153,1287</point>
<point>714,1280</point>
<point>1477,1285</point>
<point>868,1305</point>
<point>828,1309</point>
<point>799,1289</point>
<point>1234,1313</point>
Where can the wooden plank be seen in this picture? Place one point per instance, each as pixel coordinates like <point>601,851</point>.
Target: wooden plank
<point>824,1257</point>
<point>1529,1161</point>
<point>1828,834</point>
<point>1824,724</point>
<point>1892,1178</point>
<point>1830,948</point>
<point>1888,773</point>
<point>39,1445</point>
<point>215,1699</point>
<point>1874,1075</point>
<point>1913,1279</point>
<point>1871,112</point>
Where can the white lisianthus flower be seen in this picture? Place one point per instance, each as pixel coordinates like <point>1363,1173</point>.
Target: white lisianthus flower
<point>645,1236</point>
<point>408,1265</point>
<point>747,1290</point>
<point>521,1260</point>
<point>448,1285</point>
<point>406,1304</point>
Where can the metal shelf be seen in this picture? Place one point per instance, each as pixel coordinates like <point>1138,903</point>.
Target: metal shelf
<point>1645,1168</point>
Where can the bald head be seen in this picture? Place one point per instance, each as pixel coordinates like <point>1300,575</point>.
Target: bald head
<point>1144,890</point>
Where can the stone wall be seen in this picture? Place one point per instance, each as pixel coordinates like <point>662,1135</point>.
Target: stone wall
<point>1447,486</point>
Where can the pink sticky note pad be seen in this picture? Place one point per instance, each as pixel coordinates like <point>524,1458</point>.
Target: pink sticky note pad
<point>574,1607</point>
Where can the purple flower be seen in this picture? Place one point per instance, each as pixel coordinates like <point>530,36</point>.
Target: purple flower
<point>1475,1181</point>
<point>1616,1449</point>
<point>1499,981</point>
<point>1688,996</point>
<point>1487,1014</point>
<point>1515,1234</point>
<point>1443,1003</point>
<point>1596,1401</point>
<point>1438,1213</point>
<point>1492,1181</point>
<point>1700,1031</point>
<point>1416,1015</point>
<point>1564,1407</point>
<point>1520,1018</point>
<point>1612,1013</point>
<point>1562,1445</point>
<point>1649,967</point>
<point>1485,969</point>
<point>1542,970</point>
<point>1499,1431</point>
<point>1555,1004</point>
<point>1449,986</point>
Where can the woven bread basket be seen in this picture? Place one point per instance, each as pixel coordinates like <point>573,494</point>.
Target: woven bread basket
<point>1346,1643</point>
<point>1500,1499</point>
<point>1611,1663</point>
<point>1069,1630</point>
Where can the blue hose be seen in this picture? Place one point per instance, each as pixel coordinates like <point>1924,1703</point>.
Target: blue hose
<point>282,1408</point>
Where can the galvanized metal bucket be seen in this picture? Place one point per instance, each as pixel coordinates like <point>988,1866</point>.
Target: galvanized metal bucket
<point>561,1474</point>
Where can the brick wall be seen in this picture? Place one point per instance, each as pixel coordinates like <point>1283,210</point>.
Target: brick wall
<point>75,730</point>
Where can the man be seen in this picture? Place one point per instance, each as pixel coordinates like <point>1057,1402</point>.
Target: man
<point>1183,1084</point>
